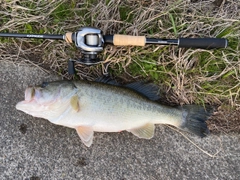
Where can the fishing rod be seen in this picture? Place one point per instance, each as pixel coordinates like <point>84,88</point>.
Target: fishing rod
<point>91,42</point>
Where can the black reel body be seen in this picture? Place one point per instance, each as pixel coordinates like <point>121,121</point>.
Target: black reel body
<point>90,41</point>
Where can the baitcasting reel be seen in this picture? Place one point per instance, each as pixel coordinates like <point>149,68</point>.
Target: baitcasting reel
<point>91,42</point>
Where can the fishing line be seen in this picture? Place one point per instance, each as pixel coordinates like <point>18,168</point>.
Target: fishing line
<point>198,147</point>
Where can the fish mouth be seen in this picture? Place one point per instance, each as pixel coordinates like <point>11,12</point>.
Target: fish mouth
<point>29,99</point>
<point>29,94</point>
<point>34,99</point>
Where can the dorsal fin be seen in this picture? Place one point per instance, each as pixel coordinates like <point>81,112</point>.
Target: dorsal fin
<point>107,80</point>
<point>149,90</point>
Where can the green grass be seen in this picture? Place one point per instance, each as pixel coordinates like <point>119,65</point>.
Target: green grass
<point>126,13</point>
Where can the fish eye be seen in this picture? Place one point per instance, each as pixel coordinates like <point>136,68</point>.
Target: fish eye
<point>44,84</point>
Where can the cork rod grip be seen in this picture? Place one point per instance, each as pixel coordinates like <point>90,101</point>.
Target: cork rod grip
<point>126,40</point>
<point>68,37</point>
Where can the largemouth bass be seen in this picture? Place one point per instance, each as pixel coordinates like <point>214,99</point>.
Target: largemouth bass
<point>95,106</point>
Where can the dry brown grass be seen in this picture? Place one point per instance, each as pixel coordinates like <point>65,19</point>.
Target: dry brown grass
<point>188,79</point>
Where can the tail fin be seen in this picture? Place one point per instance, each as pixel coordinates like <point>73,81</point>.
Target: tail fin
<point>194,119</point>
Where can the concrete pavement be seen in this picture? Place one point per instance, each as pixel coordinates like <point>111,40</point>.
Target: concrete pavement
<point>33,148</point>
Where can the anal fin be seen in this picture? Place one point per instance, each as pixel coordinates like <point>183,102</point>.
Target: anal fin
<point>86,134</point>
<point>146,131</point>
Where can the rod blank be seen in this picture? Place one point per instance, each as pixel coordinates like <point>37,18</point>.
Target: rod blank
<point>36,36</point>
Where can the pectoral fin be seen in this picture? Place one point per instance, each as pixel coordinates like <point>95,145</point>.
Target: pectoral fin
<point>146,131</point>
<point>86,135</point>
<point>75,103</point>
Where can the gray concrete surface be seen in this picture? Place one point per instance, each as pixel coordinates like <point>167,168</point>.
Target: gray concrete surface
<point>33,148</point>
